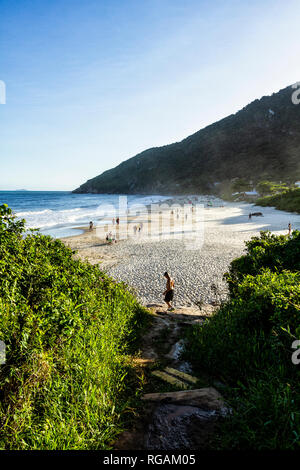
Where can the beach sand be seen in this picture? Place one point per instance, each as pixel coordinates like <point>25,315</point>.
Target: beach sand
<point>195,249</point>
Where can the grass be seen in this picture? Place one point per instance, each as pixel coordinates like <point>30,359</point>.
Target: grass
<point>70,332</point>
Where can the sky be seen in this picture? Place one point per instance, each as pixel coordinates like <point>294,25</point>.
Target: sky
<point>90,83</point>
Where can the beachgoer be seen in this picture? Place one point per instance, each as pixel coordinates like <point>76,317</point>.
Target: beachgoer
<point>110,237</point>
<point>169,292</point>
<point>91,225</point>
<point>250,215</point>
<point>290,229</point>
<point>118,220</point>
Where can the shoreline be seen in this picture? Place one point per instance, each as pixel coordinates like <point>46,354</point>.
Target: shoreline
<point>140,260</point>
<point>171,200</point>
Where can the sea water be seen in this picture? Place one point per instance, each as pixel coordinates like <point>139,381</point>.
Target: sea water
<point>60,213</point>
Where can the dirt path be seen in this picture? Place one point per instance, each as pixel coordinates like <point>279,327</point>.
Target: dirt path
<point>179,410</point>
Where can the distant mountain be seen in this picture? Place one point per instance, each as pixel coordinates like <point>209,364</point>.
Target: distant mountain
<point>261,141</point>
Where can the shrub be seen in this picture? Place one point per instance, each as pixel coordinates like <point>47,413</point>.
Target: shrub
<point>267,251</point>
<point>68,329</point>
<point>288,200</point>
<point>247,343</point>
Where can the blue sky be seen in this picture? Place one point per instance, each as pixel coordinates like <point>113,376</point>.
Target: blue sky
<point>91,83</point>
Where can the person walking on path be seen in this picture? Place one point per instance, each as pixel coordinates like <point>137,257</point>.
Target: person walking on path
<point>169,292</point>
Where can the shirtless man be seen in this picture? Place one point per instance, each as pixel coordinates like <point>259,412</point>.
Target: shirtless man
<point>169,292</point>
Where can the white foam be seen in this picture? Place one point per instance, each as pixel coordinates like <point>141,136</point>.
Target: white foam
<point>47,218</point>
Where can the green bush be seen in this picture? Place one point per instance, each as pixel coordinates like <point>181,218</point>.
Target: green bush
<point>68,330</point>
<point>270,188</point>
<point>267,251</point>
<point>247,343</point>
<point>242,335</point>
<point>288,200</point>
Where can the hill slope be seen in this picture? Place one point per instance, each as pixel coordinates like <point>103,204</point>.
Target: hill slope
<point>261,141</point>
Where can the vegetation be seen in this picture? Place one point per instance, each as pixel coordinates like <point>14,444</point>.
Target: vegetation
<point>270,188</point>
<point>240,185</point>
<point>68,330</point>
<point>260,142</point>
<point>248,344</point>
<point>286,201</point>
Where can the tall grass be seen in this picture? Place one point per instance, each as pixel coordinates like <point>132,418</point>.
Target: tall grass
<point>69,331</point>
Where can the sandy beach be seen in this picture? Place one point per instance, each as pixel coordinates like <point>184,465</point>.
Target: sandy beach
<point>194,246</point>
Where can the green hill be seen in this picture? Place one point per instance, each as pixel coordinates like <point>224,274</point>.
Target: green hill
<point>261,141</point>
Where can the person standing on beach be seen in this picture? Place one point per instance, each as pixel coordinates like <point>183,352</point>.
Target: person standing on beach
<point>290,229</point>
<point>109,238</point>
<point>91,225</point>
<point>169,292</point>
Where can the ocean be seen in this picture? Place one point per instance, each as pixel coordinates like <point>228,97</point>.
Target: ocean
<point>60,213</point>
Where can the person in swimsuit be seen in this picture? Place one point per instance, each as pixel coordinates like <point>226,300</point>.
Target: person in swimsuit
<point>169,292</point>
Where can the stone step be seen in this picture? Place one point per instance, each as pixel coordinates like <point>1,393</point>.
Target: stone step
<point>170,379</point>
<point>182,375</point>
<point>206,398</point>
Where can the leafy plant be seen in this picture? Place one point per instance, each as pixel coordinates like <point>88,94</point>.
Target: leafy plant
<point>247,343</point>
<point>69,330</point>
<point>288,200</point>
